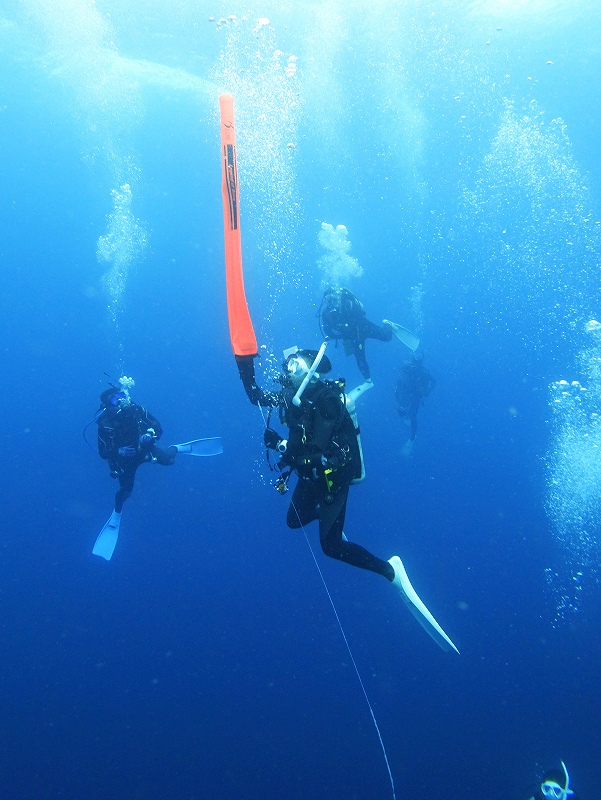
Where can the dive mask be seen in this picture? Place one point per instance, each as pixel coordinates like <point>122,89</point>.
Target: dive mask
<point>553,791</point>
<point>120,399</point>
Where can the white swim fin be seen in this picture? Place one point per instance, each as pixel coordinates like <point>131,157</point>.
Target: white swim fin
<point>201,447</point>
<point>417,608</point>
<point>107,538</point>
<point>355,393</point>
<point>407,448</point>
<point>405,336</point>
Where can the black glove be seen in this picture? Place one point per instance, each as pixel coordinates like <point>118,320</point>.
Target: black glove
<point>147,439</point>
<point>271,439</point>
<point>246,369</point>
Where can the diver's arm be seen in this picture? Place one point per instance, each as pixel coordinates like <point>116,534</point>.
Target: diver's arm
<point>106,442</point>
<point>256,395</point>
<point>352,305</point>
<point>151,421</point>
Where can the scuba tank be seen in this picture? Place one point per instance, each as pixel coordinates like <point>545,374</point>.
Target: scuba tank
<point>352,410</point>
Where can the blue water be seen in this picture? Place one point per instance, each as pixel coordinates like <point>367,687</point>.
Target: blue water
<point>458,144</point>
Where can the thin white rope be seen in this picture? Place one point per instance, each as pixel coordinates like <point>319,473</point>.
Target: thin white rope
<point>346,642</point>
<point>350,652</point>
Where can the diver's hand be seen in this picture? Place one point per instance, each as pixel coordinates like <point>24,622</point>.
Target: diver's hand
<point>127,452</point>
<point>146,439</point>
<point>271,439</point>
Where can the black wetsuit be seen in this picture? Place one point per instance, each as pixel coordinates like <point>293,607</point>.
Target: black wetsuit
<point>324,452</point>
<point>123,427</point>
<point>343,318</point>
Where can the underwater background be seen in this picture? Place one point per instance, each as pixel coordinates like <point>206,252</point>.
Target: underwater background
<point>457,142</point>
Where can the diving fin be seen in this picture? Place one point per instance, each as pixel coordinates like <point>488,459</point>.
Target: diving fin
<point>201,447</point>
<point>417,608</point>
<point>359,390</point>
<point>403,335</point>
<point>107,538</point>
<point>407,448</point>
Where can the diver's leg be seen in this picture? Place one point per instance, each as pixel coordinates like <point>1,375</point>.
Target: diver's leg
<point>303,506</point>
<point>164,457</point>
<point>126,485</point>
<point>331,524</point>
<point>382,333</point>
<point>359,352</point>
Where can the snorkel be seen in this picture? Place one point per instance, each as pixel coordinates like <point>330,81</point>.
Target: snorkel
<point>554,791</point>
<point>296,400</point>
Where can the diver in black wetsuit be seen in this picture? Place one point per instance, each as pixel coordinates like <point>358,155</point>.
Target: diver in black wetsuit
<point>414,384</point>
<point>127,436</point>
<point>322,449</point>
<point>342,317</point>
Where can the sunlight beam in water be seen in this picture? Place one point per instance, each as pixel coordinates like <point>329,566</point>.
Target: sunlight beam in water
<point>105,92</point>
<point>551,10</point>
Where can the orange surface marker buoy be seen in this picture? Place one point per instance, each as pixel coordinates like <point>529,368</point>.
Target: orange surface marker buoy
<point>242,334</point>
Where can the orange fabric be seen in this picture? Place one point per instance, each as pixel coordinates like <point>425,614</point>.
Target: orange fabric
<point>242,335</point>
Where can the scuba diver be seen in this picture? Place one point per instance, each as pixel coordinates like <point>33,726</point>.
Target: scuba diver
<point>554,786</point>
<point>342,317</point>
<point>413,386</point>
<point>127,437</point>
<point>323,449</point>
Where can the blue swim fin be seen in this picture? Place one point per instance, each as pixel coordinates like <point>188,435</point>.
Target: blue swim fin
<point>107,538</point>
<point>201,447</point>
